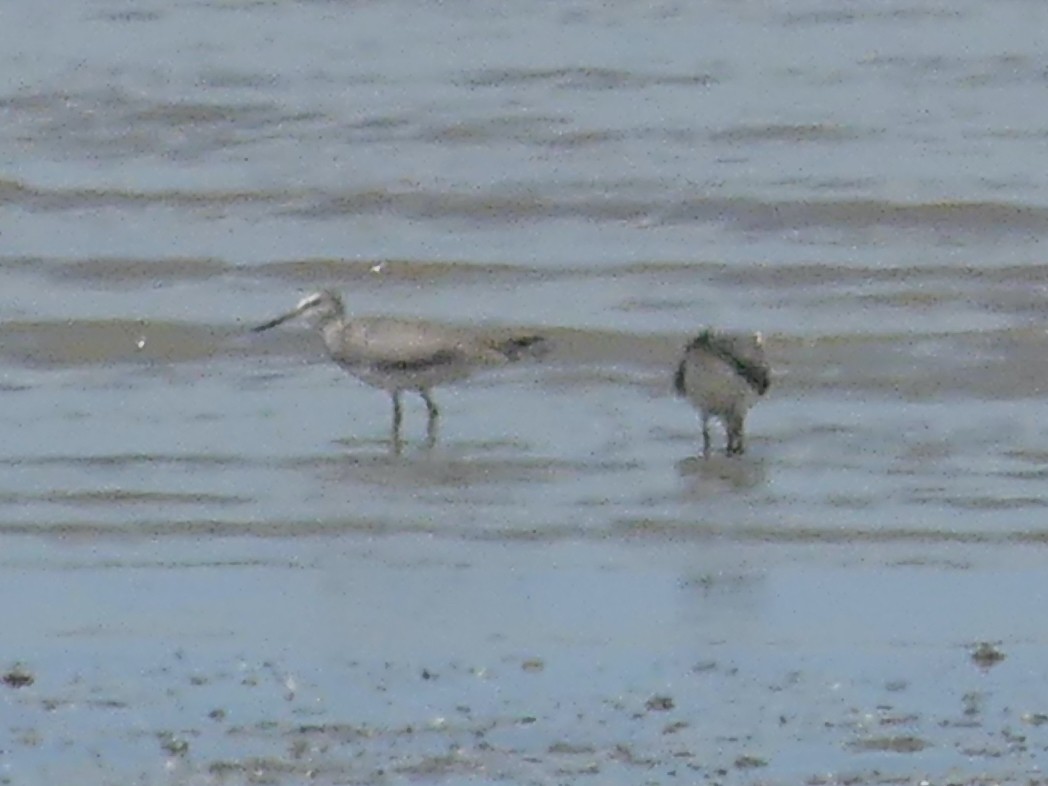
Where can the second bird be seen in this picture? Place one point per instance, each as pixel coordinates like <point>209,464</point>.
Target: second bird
<point>722,375</point>
<point>397,354</point>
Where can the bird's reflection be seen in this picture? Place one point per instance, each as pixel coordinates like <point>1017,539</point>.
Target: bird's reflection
<point>716,474</point>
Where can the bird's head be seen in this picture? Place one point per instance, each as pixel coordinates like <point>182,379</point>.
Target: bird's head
<point>318,308</point>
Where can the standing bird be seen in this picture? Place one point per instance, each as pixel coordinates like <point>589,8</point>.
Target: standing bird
<point>723,374</point>
<point>397,354</point>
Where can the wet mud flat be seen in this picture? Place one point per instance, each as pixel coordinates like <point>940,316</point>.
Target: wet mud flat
<point>212,571</point>
<point>416,659</point>
<point>228,578</point>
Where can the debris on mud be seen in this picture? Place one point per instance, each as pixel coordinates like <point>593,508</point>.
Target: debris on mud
<point>987,655</point>
<point>902,744</point>
<point>746,762</point>
<point>18,676</point>
<point>532,665</point>
<point>659,703</point>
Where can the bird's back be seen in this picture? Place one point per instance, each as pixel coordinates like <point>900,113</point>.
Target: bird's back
<point>742,353</point>
<point>382,339</point>
<point>398,353</point>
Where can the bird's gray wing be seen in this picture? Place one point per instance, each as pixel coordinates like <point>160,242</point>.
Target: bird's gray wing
<point>743,351</point>
<point>400,344</point>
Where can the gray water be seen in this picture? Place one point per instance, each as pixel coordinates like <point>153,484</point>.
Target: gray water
<point>214,568</point>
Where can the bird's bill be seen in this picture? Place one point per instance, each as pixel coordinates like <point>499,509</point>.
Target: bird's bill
<point>278,321</point>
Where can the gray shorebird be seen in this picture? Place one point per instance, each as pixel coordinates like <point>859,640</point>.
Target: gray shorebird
<point>397,354</point>
<point>722,375</point>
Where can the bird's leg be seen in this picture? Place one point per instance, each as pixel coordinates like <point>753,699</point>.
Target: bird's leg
<point>398,416</point>
<point>434,414</point>
<point>734,427</point>
<point>705,435</point>
<point>431,407</point>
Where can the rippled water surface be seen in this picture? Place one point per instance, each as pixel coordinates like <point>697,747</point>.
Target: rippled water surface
<point>215,568</point>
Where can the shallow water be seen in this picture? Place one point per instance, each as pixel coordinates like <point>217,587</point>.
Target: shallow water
<point>219,572</point>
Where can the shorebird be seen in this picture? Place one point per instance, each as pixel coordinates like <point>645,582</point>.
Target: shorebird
<point>722,375</point>
<point>397,354</point>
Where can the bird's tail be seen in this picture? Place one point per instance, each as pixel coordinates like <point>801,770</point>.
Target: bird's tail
<point>520,347</point>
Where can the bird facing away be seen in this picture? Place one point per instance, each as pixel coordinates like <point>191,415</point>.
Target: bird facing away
<point>397,355</point>
<point>722,375</point>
